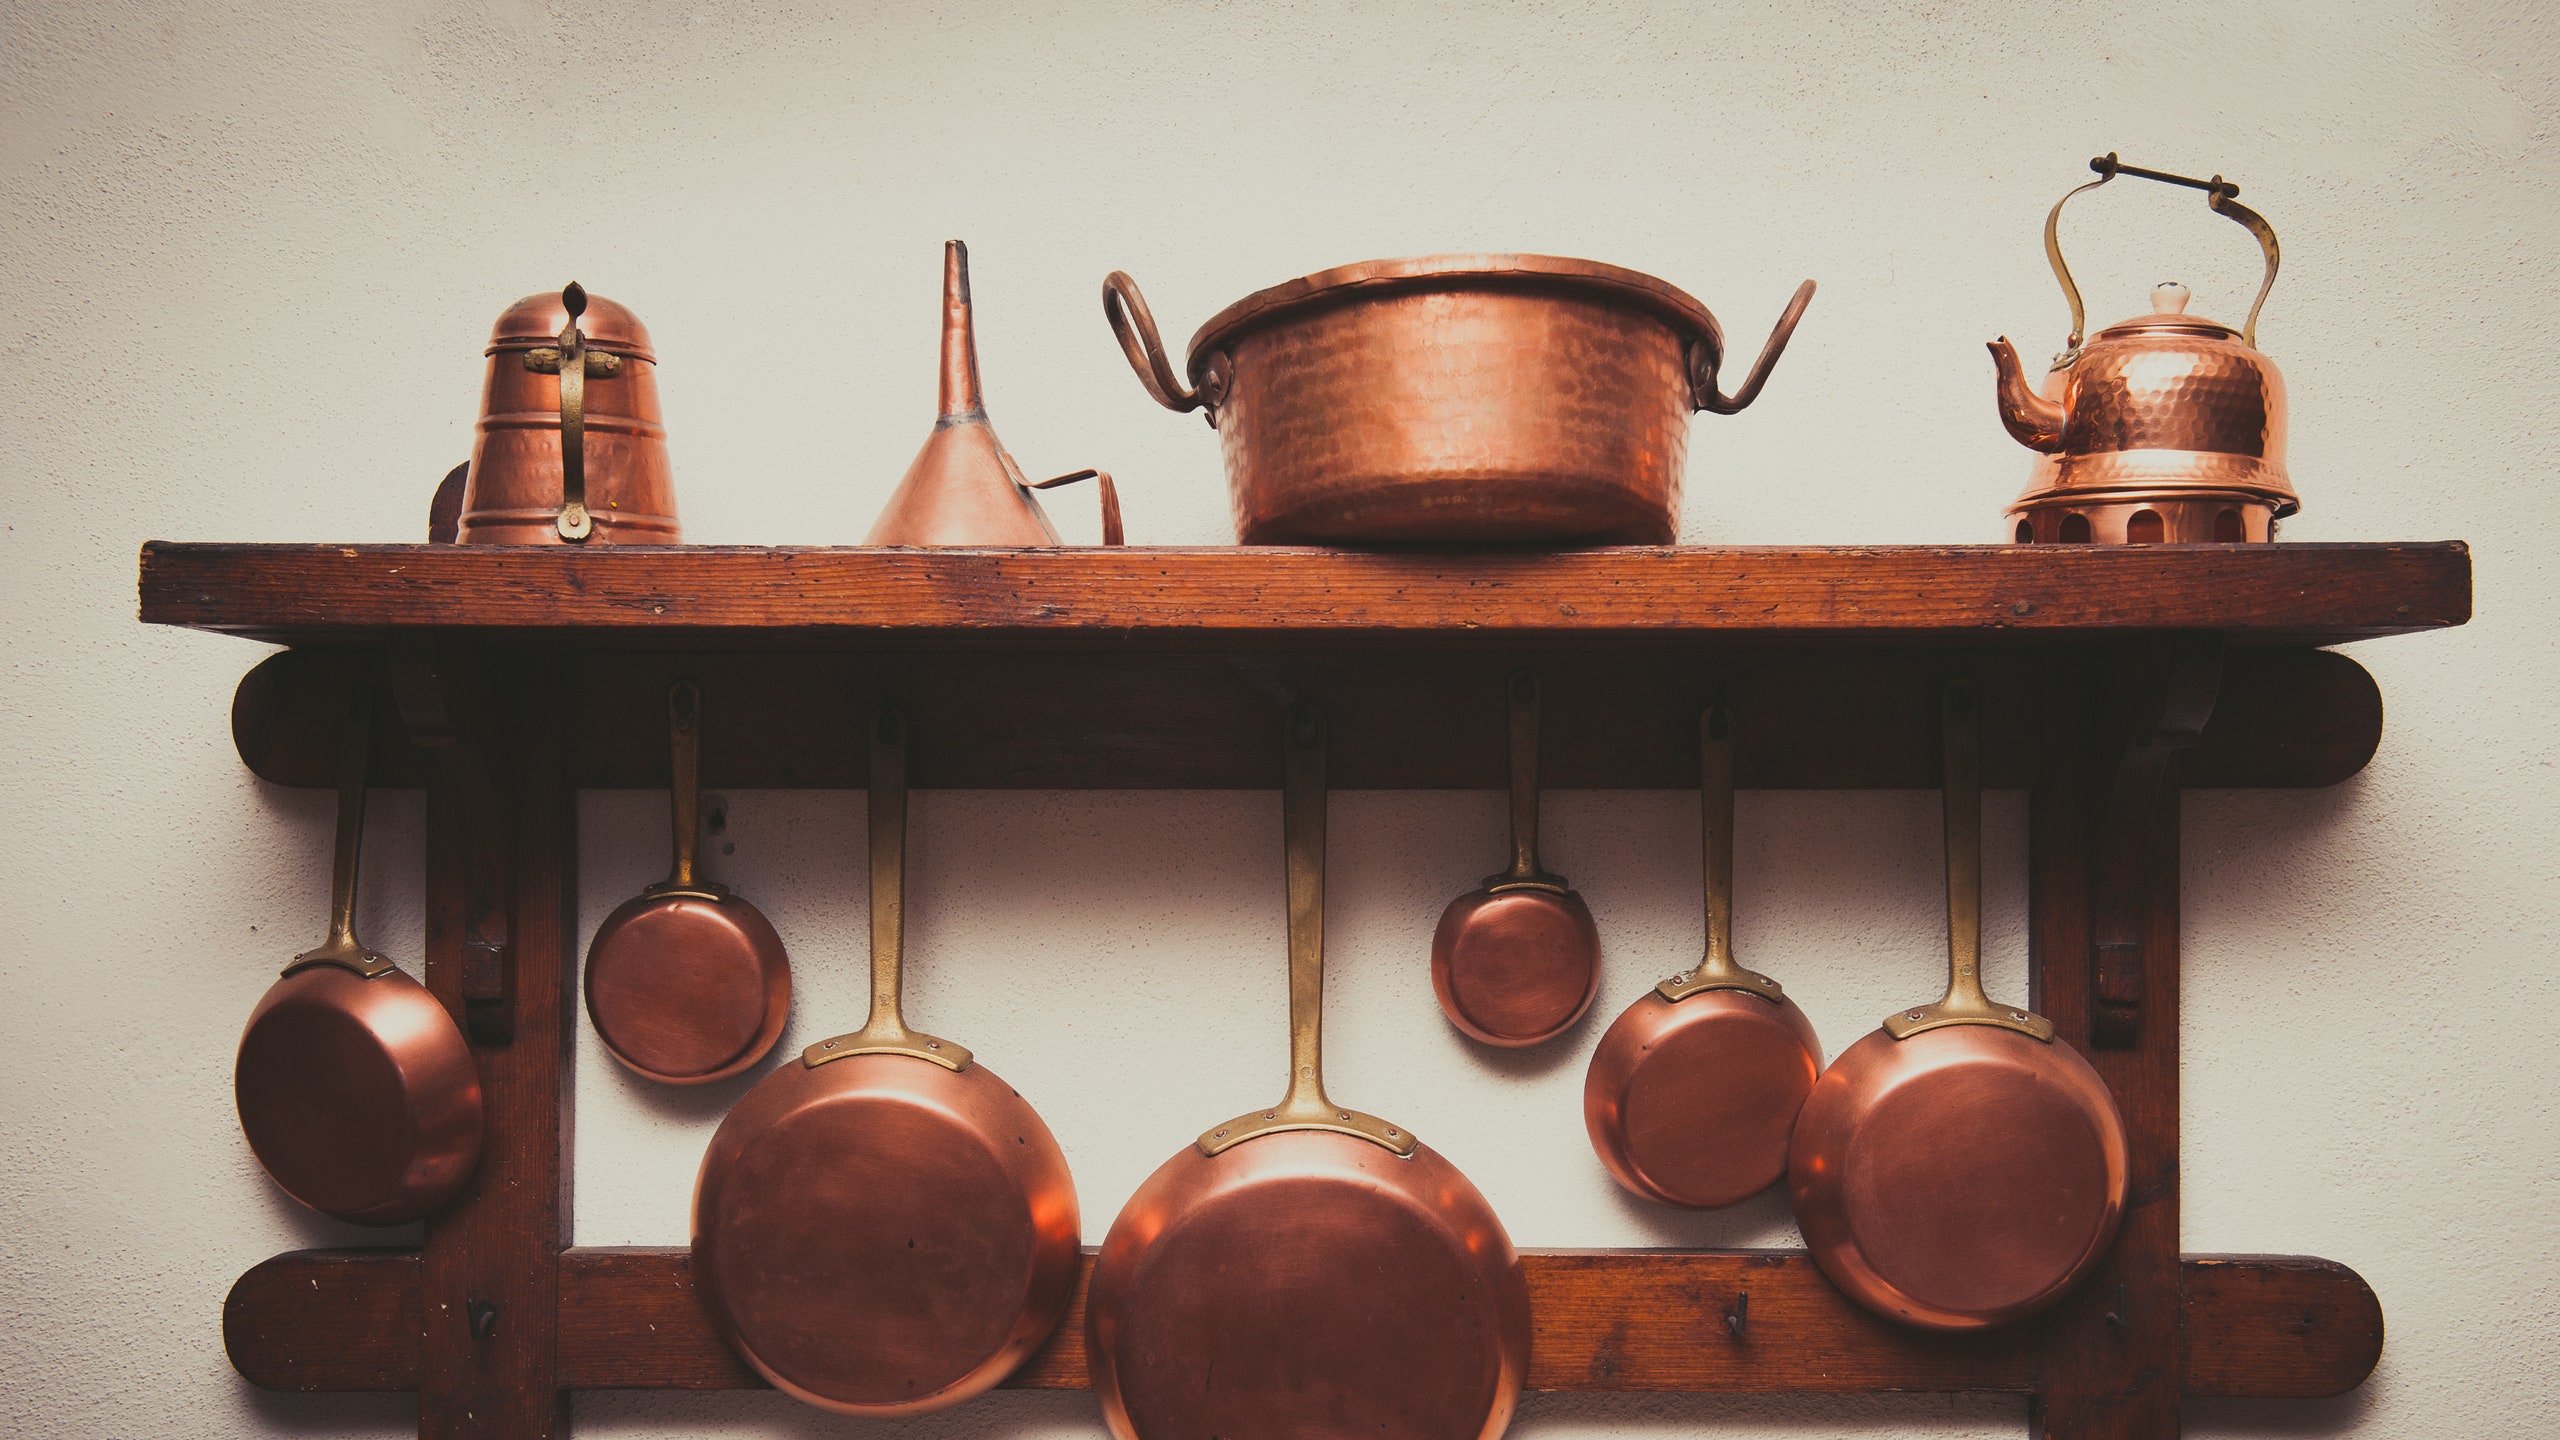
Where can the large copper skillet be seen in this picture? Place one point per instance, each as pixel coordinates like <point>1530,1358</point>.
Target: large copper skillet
<point>1307,1269</point>
<point>1959,1168</point>
<point>1516,960</point>
<point>355,1087</point>
<point>883,1227</point>
<point>1693,1093</point>
<point>687,983</point>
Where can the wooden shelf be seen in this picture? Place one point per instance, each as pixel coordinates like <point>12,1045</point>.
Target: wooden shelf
<point>2110,677</point>
<point>2261,1326</point>
<point>1255,598</point>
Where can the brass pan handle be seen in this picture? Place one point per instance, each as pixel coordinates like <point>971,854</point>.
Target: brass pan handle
<point>1135,325</point>
<point>1707,356</point>
<point>2221,196</point>
<point>1111,532</point>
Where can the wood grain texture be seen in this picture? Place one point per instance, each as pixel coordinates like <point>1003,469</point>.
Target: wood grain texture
<point>1606,1320</point>
<point>1120,598</point>
<point>1845,718</point>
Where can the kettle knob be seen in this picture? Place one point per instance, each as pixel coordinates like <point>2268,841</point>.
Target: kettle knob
<point>2169,298</point>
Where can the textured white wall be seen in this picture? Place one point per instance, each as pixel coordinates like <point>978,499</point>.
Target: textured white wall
<point>250,254</point>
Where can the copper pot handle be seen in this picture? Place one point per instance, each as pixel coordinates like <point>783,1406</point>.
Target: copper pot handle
<point>575,364</point>
<point>1111,533</point>
<point>1135,324</point>
<point>1708,356</point>
<point>2221,196</point>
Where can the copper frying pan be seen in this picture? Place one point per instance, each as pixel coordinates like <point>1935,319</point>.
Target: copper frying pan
<point>1959,1168</point>
<point>1694,1090</point>
<point>884,1227</point>
<point>1307,1269</point>
<point>355,1087</point>
<point>1517,960</point>
<point>687,983</point>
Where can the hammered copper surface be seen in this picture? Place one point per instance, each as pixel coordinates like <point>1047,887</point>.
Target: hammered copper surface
<point>512,493</point>
<point>1693,1092</point>
<point>1462,398</point>
<point>1308,1284</point>
<point>1962,1167</point>
<point>882,1236</point>
<point>1962,1178</point>
<point>1516,961</point>
<point>686,989</point>
<point>1307,1270</point>
<point>964,487</point>
<point>359,1096</point>
<point>883,1227</point>
<point>687,983</point>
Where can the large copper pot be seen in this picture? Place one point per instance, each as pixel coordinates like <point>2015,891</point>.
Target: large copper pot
<point>569,448</point>
<point>1486,399</point>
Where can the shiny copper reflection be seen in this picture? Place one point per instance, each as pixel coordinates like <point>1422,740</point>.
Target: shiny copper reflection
<point>883,1236</point>
<point>1308,1283</point>
<point>359,1096</point>
<point>1961,1178</point>
<point>1516,967</point>
<point>688,989</point>
<point>1691,1102</point>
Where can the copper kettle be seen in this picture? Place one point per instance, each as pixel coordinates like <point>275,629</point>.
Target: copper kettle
<point>2167,427</point>
<point>964,487</point>
<point>569,448</point>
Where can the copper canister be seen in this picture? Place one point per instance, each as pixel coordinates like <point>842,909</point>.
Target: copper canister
<point>1452,399</point>
<point>583,461</point>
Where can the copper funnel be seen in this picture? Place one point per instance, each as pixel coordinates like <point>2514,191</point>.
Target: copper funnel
<point>569,449</point>
<point>963,488</point>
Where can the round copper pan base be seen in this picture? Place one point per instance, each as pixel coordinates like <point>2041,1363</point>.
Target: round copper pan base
<point>687,990</point>
<point>1962,1178</point>
<point>882,1236</point>
<point>1308,1283</point>
<point>1691,1102</point>
<point>359,1096</point>
<point>1515,967</point>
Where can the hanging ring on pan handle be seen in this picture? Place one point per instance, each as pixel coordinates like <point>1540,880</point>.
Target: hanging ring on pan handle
<point>342,948</point>
<point>1706,356</point>
<point>1135,325</point>
<point>1111,532</point>
<point>1719,970</point>
<point>1305,1106</point>
<point>1960,748</point>
<point>886,1032</point>
<point>2221,196</point>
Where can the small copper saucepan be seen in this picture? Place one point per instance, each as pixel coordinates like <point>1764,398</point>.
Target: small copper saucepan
<point>687,983</point>
<point>1694,1091</point>
<point>355,1087</point>
<point>1307,1269</point>
<point>1517,960</point>
<point>884,1228</point>
<point>1959,1168</point>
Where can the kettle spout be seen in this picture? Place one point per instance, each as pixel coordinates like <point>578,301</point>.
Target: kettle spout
<point>2033,421</point>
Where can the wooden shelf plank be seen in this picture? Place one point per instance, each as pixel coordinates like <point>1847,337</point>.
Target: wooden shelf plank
<point>2254,1326</point>
<point>1101,598</point>
<point>1840,718</point>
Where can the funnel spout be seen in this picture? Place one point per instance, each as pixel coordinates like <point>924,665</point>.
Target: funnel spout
<point>961,399</point>
<point>2033,421</point>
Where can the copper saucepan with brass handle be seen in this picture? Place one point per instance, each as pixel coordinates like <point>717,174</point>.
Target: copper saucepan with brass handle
<point>1452,399</point>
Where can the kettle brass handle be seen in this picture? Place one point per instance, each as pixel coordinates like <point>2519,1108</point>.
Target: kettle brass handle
<point>2220,196</point>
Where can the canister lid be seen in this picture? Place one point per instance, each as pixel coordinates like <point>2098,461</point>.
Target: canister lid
<point>1453,272</point>
<point>537,320</point>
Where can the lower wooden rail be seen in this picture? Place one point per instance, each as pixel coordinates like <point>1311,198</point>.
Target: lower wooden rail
<point>1734,1321</point>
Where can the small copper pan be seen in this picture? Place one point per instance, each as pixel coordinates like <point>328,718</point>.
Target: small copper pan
<point>1694,1091</point>
<point>687,983</point>
<point>1307,1269</point>
<point>1959,1168</point>
<point>1517,961</point>
<point>884,1228</point>
<point>355,1087</point>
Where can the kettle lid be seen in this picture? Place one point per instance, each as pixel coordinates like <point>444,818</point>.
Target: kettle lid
<point>2168,317</point>
<point>538,319</point>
